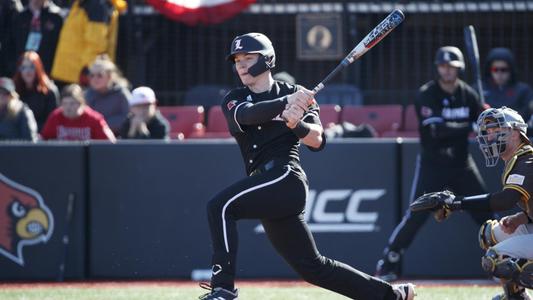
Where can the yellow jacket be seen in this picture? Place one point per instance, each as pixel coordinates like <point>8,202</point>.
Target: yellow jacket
<point>90,29</point>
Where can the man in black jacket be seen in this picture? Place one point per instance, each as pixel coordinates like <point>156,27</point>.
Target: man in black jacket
<point>8,10</point>
<point>446,109</point>
<point>37,28</point>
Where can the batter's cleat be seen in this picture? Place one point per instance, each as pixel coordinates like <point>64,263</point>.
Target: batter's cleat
<point>387,271</point>
<point>404,291</point>
<point>218,293</point>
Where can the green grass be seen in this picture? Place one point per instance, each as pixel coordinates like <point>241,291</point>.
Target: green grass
<point>179,292</point>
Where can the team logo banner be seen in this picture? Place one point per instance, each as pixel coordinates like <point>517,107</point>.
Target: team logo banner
<point>24,219</point>
<point>192,12</point>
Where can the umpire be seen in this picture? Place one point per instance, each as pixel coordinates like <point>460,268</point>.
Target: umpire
<point>269,119</point>
<point>446,109</point>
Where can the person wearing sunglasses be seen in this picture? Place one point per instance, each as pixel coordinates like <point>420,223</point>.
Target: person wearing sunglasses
<point>501,86</point>
<point>108,92</point>
<point>35,87</point>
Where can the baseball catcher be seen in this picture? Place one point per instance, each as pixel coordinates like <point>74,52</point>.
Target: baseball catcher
<point>509,241</point>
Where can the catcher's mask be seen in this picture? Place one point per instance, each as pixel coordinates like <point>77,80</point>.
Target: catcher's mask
<point>254,43</point>
<point>495,128</point>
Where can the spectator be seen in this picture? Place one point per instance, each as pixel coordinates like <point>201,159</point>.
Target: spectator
<point>108,92</point>
<point>16,119</point>
<point>8,10</point>
<point>74,120</point>
<point>144,121</point>
<point>37,29</point>
<point>90,30</point>
<point>35,87</point>
<point>501,86</point>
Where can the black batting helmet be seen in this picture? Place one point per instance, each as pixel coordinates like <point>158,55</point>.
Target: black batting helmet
<point>450,55</point>
<point>254,43</point>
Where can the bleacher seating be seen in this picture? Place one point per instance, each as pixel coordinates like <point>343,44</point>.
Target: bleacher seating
<point>183,120</point>
<point>329,113</point>
<point>387,120</point>
<point>216,125</point>
<point>384,118</point>
<point>341,94</point>
<point>410,122</point>
<point>207,95</point>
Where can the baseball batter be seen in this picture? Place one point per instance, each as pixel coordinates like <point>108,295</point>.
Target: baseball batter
<point>509,242</point>
<point>269,119</point>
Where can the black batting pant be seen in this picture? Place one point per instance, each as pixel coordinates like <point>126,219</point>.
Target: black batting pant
<point>464,181</point>
<point>277,198</point>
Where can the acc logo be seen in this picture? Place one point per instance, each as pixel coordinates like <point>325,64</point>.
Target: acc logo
<point>321,218</point>
<point>24,219</point>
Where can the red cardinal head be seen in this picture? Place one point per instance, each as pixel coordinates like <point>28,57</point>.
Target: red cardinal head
<point>24,219</point>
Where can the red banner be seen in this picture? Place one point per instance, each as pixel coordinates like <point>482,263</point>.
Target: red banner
<point>192,12</point>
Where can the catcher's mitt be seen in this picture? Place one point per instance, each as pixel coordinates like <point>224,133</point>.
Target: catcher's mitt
<point>441,203</point>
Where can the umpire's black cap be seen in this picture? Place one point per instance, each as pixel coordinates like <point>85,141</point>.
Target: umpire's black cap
<point>450,55</point>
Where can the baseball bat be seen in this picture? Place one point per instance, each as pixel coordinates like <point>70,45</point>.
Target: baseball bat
<point>66,239</point>
<point>370,40</point>
<point>472,53</point>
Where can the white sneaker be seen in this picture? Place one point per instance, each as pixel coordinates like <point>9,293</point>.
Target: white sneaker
<point>404,291</point>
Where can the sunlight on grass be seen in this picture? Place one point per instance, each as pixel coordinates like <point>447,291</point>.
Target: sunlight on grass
<point>155,292</point>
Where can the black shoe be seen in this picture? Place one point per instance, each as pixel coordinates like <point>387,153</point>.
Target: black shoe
<point>218,293</point>
<point>388,268</point>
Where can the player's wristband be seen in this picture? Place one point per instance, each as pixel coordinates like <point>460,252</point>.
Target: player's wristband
<point>301,129</point>
<point>475,203</point>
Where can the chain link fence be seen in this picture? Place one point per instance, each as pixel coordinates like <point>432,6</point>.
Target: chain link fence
<point>172,57</point>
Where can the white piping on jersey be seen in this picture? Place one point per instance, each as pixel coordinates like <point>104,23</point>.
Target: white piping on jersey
<point>235,116</point>
<point>432,120</point>
<point>242,193</point>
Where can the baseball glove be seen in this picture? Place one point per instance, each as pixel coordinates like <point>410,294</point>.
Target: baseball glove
<point>440,203</point>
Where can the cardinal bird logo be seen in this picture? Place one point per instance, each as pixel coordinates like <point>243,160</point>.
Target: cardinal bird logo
<point>24,219</point>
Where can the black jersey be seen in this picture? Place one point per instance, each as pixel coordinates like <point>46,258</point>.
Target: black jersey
<point>445,121</point>
<point>263,141</point>
<point>518,175</point>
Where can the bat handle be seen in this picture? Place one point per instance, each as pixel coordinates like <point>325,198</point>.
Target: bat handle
<point>317,88</point>
<point>332,74</point>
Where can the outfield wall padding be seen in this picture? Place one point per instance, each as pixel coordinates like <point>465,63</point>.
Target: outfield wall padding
<point>145,214</point>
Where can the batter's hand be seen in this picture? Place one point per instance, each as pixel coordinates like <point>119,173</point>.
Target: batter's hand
<point>510,223</point>
<point>303,98</point>
<point>292,115</point>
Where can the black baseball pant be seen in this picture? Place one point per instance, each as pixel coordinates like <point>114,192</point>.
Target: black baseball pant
<point>277,198</point>
<point>429,178</point>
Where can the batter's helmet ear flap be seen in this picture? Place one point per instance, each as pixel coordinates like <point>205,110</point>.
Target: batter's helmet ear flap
<point>234,69</point>
<point>263,64</point>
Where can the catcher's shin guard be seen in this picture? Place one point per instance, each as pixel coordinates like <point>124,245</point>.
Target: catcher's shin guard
<point>512,291</point>
<point>486,234</point>
<point>517,270</point>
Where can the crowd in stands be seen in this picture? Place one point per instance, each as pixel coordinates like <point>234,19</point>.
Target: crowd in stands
<point>45,49</point>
